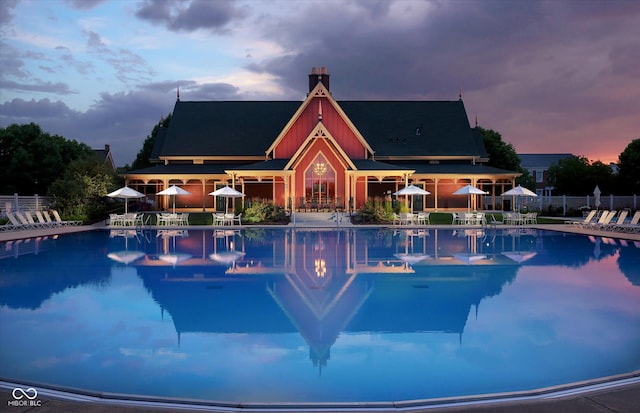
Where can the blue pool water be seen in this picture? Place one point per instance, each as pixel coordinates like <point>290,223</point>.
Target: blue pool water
<point>279,315</point>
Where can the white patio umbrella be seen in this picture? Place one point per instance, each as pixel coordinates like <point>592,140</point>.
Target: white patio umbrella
<point>125,193</point>
<point>412,190</point>
<point>174,190</point>
<point>519,191</point>
<point>468,191</point>
<point>227,192</point>
<point>596,196</point>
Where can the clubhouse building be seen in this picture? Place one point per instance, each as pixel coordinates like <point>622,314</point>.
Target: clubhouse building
<point>319,153</point>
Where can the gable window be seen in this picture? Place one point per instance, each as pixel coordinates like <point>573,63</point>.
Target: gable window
<point>320,181</point>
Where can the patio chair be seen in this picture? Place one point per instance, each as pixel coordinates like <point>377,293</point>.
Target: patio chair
<point>238,219</point>
<point>218,218</point>
<point>314,204</point>
<point>494,221</point>
<point>585,221</point>
<point>423,218</point>
<point>396,219</point>
<point>115,220</point>
<point>302,204</point>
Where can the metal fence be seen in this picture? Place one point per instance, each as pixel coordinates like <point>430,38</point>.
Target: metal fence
<point>567,205</point>
<point>17,202</point>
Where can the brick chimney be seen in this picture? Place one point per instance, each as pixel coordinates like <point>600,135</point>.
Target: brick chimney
<point>318,74</point>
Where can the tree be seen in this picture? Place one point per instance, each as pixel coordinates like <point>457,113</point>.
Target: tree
<point>32,159</point>
<point>629,163</point>
<point>503,155</point>
<point>80,194</point>
<point>143,158</point>
<point>575,175</point>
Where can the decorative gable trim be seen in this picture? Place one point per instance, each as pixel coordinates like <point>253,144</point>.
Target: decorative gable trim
<point>320,132</point>
<point>320,91</point>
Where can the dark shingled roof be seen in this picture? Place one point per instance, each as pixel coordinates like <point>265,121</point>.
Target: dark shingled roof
<point>270,165</point>
<point>225,128</point>
<point>185,169</point>
<point>409,128</point>
<point>454,168</point>
<point>541,160</point>
<point>236,128</point>
<point>370,165</point>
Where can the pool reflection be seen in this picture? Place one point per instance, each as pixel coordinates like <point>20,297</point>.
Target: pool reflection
<point>323,283</point>
<point>256,314</point>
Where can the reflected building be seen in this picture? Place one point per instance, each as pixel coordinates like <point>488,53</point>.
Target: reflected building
<point>327,282</point>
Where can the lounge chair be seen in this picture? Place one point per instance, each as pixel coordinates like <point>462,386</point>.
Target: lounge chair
<point>585,221</point>
<point>43,222</point>
<point>13,223</point>
<point>29,216</point>
<point>23,220</point>
<point>621,218</point>
<point>604,220</point>
<point>47,218</point>
<point>631,226</point>
<point>64,223</point>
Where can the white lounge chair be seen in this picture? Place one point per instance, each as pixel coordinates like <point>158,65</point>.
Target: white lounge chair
<point>64,223</point>
<point>585,221</point>
<point>42,221</point>
<point>621,218</point>
<point>632,226</point>
<point>23,220</point>
<point>604,220</point>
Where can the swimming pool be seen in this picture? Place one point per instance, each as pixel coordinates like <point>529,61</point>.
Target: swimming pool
<point>340,315</point>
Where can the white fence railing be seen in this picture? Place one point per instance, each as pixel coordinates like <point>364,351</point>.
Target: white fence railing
<point>569,204</point>
<point>17,202</point>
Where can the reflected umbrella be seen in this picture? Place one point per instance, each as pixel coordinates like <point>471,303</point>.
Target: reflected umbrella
<point>469,259</point>
<point>519,257</point>
<point>227,257</point>
<point>411,258</point>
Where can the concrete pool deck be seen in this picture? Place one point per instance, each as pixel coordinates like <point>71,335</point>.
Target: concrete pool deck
<point>617,397</point>
<point>620,399</point>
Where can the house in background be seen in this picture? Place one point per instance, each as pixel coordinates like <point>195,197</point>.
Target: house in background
<point>320,153</point>
<point>538,166</point>
<point>106,155</point>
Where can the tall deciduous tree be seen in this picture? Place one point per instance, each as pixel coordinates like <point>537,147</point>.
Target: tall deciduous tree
<point>32,159</point>
<point>503,155</point>
<point>143,158</point>
<point>629,163</point>
<point>80,194</point>
<point>575,175</point>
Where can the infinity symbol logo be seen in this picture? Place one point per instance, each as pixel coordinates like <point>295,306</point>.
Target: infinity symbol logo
<point>19,393</point>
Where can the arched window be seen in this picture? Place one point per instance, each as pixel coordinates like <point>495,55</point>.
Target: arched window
<point>320,181</point>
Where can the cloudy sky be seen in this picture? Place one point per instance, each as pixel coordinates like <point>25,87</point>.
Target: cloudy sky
<point>552,76</point>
